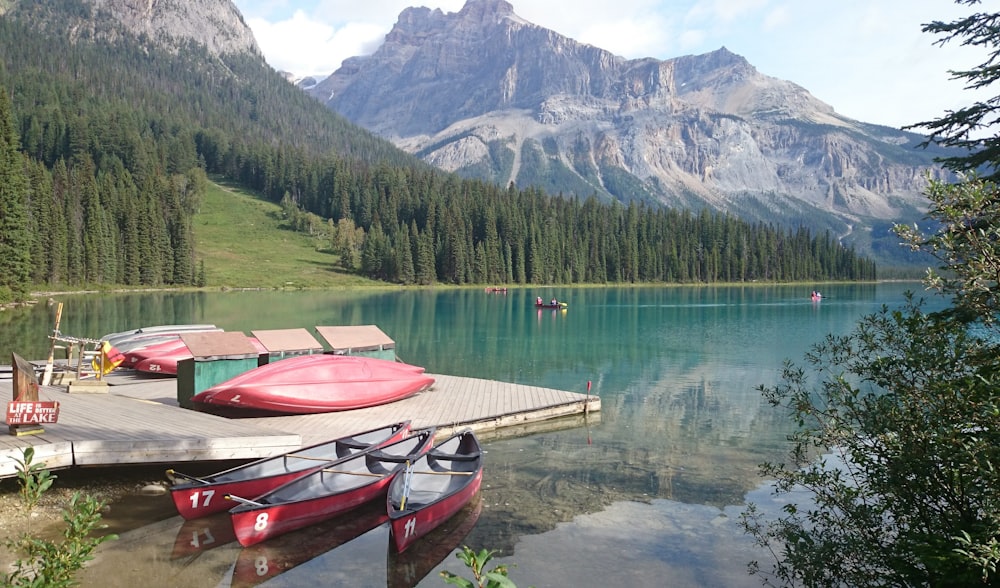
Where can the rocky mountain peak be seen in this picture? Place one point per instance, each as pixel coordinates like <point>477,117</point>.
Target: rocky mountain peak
<point>485,93</point>
<point>483,11</point>
<point>215,24</point>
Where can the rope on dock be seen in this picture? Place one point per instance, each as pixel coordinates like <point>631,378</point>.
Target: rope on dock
<point>57,336</point>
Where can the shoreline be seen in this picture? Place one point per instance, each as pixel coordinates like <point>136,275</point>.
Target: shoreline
<point>45,521</point>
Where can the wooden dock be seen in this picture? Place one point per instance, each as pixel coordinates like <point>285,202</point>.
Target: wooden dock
<point>138,421</point>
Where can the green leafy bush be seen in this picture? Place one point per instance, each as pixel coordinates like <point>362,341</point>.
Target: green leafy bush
<point>495,578</point>
<point>33,478</point>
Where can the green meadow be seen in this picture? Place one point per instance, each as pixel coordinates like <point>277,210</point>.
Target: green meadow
<point>244,242</point>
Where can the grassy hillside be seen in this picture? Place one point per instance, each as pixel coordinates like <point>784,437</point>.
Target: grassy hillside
<point>243,243</point>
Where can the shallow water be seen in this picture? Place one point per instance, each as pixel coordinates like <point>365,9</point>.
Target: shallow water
<point>648,491</point>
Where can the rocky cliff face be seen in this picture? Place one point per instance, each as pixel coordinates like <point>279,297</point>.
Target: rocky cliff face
<point>485,93</point>
<point>215,24</point>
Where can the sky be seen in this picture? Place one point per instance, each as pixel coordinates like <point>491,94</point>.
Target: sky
<point>867,59</point>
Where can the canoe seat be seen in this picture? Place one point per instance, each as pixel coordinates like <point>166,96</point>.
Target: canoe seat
<point>379,455</point>
<point>418,498</point>
<point>354,444</point>
<point>454,456</point>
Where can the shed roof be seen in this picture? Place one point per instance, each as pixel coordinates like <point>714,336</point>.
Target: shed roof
<point>357,337</point>
<point>275,340</point>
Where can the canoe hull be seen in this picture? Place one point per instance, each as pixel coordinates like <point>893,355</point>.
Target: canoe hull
<point>254,526</point>
<point>327,492</point>
<point>407,569</point>
<point>407,529</point>
<point>127,341</point>
<point>162,358</point>
<point>317,384</point>
<point>264,561</point>
<point>438,488</point>
<point>206,496</point>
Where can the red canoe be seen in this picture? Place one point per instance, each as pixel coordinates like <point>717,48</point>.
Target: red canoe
<point>162,357</point>
<point>405,570</point>
<point>316,383</point>
<point>335,488</point>
<point>171,347</point>
<point>198,497</point>
<point>261,562</point>
<point>434,487</point>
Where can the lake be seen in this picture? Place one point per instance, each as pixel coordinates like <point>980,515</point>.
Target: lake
<point>647,492</point>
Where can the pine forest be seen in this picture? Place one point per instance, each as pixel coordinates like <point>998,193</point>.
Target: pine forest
<point>106,148</point>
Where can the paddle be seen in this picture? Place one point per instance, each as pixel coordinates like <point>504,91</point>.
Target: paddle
<point>47,375</point>
<point>369,474</point>
<point>171,473</point>
<point>309,457</point>
<point>406,485</point>
<point>235,498</point>
<point>445,473</point>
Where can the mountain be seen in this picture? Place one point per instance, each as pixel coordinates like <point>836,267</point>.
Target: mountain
<point>123,113</point>
<point>487,94</point>
<point>217,25</point>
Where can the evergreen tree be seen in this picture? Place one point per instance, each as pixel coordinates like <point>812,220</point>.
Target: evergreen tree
<point>958,128</point>
<point>426,274</point>
<point>15,240</point>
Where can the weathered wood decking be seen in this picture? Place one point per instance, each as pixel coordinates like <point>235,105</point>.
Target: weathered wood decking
<point>138,421</point>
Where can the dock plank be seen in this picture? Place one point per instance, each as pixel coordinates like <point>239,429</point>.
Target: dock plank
<point>139,421</point>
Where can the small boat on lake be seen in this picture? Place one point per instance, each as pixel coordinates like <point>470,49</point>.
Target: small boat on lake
<point>333,489</point>
<point>201,496</point>
<point>316,383</point>
<point>434,487</point>
<point>553,304</point>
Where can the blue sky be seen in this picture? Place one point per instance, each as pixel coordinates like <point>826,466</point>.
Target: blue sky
<point>868,59</point>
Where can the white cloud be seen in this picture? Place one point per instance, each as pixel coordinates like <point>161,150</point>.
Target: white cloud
<point>306,46</point>
<point>868,60</point>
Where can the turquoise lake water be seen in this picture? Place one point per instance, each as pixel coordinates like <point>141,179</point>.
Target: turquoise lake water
<point>647,492</point>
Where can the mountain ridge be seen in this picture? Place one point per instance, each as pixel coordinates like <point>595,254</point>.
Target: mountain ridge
<point>485,93</point>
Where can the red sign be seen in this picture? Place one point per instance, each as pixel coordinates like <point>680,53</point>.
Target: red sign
<point>32,413</point>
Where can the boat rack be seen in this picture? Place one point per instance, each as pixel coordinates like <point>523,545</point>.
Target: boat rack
<point>81,353</point>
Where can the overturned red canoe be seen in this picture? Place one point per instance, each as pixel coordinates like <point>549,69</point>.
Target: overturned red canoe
<point>162,357</point>
<point>127,341</point>
<point>316,383</point>
<point>171,347</point>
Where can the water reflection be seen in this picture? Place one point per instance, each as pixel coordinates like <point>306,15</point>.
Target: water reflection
<point>407,569</point>
<point>268,559</point>
<point>675,447</point>
<point>198,535</point>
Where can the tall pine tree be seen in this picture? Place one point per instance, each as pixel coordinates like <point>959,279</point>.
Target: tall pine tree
<point>15,239</point>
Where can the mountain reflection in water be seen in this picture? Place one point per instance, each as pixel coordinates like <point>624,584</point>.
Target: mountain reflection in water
<point>647,489</point>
